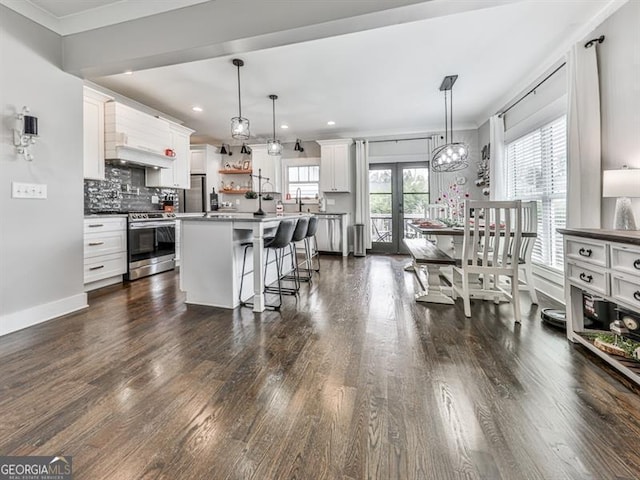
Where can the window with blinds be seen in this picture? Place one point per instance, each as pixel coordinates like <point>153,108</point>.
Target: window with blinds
<point>537,170</point>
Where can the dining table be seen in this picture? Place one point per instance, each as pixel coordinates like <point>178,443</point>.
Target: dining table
<point>450,240</point>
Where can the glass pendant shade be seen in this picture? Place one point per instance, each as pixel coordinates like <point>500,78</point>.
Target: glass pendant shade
<point>274,147</point>
<point>240,128</point>
<point>239,124</point>
<point>452,156</point>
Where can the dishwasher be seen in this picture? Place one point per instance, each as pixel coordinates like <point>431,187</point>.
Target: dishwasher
<point>329,234</point>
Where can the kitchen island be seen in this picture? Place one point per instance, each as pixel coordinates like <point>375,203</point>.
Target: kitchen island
<point>212,252</point>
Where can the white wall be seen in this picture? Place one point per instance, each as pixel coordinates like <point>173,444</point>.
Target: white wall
<point>41,247</point>
<point>619,67</point>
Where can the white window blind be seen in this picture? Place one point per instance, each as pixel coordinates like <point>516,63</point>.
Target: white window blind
<point>537,170</point>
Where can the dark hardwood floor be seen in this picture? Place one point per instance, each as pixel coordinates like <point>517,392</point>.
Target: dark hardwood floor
<point>354,381</point>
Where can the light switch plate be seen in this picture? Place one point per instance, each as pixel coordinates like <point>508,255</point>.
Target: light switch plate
<point>155,199</point>
<point>29,190</point>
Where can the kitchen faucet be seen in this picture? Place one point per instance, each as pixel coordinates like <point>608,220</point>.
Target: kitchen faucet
<point>299,199</point>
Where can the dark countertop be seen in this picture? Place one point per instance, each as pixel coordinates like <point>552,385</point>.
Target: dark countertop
<point>621,236</point>
<point>109,215</point>
<point>244,217</point>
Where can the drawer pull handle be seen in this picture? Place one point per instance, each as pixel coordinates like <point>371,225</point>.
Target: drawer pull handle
<point>96,268</point>
<point>95,244</point>
<point>94,225</point>
<point>585,252</point>
<point>636,264</point>
<point>636,295</point>
<point>586,278</point>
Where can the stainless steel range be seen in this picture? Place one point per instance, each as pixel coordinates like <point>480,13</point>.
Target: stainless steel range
<point>151,243</point>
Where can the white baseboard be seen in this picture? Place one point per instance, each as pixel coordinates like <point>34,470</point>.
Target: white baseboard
<point>41,313</point>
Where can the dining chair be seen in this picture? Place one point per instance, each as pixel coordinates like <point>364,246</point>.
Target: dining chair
<point>529,225</point>
<point>492,230</point>
<point>435,211</point>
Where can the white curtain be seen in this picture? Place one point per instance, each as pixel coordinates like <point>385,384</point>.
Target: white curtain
<point>497,159</point>
<point>437,184</point>
<point>362,189</point>
<point>583,138</point>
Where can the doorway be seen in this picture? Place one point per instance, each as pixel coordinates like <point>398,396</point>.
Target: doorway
<point>398,193</point>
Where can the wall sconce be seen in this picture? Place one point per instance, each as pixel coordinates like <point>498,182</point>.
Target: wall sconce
<point>25,132</point>
<point>225,150</point>
<point>245,150</point>
<point>298,147</point>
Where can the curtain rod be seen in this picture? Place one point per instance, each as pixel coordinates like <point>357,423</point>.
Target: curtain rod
<point>590,43</point>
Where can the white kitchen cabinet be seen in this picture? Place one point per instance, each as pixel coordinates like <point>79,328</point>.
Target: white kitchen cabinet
<point>198,162</point>
<point>335,165</point>
<point>177,175</point>
<point>270,165</point>
<point>105,251</point>
<point>93,133</point>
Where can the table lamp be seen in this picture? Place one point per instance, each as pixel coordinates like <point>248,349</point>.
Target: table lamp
<point>622,184</point>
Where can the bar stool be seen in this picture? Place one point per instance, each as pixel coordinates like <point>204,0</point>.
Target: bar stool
<point>277,243</point>
<point>310,250</point>
<point>299,234</point>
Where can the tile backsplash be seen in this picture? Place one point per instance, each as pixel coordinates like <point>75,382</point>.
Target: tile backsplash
<point>123,190</point>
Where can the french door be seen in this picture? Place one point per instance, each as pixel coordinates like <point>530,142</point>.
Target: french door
<point>398,192</point>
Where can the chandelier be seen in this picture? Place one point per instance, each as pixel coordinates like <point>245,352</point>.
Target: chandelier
<point>274,147</point>
<point>239,124</point>
<point>452,156</point>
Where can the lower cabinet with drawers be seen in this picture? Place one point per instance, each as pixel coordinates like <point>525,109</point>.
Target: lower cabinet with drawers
<point>105,251</point>
<point>604,264</point>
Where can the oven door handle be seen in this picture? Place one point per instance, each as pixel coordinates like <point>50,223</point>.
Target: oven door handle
<point>143,225</point>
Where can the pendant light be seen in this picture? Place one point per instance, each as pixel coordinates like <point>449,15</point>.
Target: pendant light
<point>239,124</point>
<point>274,147</point>
<point>452,156</point>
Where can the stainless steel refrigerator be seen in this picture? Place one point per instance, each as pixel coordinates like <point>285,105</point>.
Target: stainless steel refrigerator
<point>194,199</point>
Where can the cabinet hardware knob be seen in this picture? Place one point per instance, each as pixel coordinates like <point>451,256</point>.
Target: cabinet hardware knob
<point>96,268</point>
<point>636,264</point>
<point>94,225</point>
<point>95,244</point>
<point>585,252</point>
<point>636,295</point>
<point>586,278</point>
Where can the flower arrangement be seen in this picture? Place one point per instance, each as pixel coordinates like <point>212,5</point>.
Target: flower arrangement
<point>453,198</point>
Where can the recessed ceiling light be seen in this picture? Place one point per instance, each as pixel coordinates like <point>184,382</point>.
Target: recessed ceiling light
<point>331,123</point>
<point>284,127</point>
<point>196,109</point>
<point>128,72</point>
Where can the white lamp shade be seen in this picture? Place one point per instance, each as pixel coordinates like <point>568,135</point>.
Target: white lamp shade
<point>621,183</point>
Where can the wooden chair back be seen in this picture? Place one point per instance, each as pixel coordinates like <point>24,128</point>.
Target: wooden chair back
<point>529,225</point>
<point>492,230</point>
<point>434,211</point>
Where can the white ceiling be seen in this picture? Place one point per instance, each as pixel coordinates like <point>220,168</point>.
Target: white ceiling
<point>66,17</point>
<point>378,82</point>
<point>374,82</point>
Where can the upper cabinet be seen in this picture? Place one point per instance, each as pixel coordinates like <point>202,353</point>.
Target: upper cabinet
<point>93,133</point>
<point>335,165</point>
<point>177,175</point>
<point>269,166</point>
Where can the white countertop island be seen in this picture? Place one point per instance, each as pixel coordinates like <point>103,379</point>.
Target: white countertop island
<point>212,252</point>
